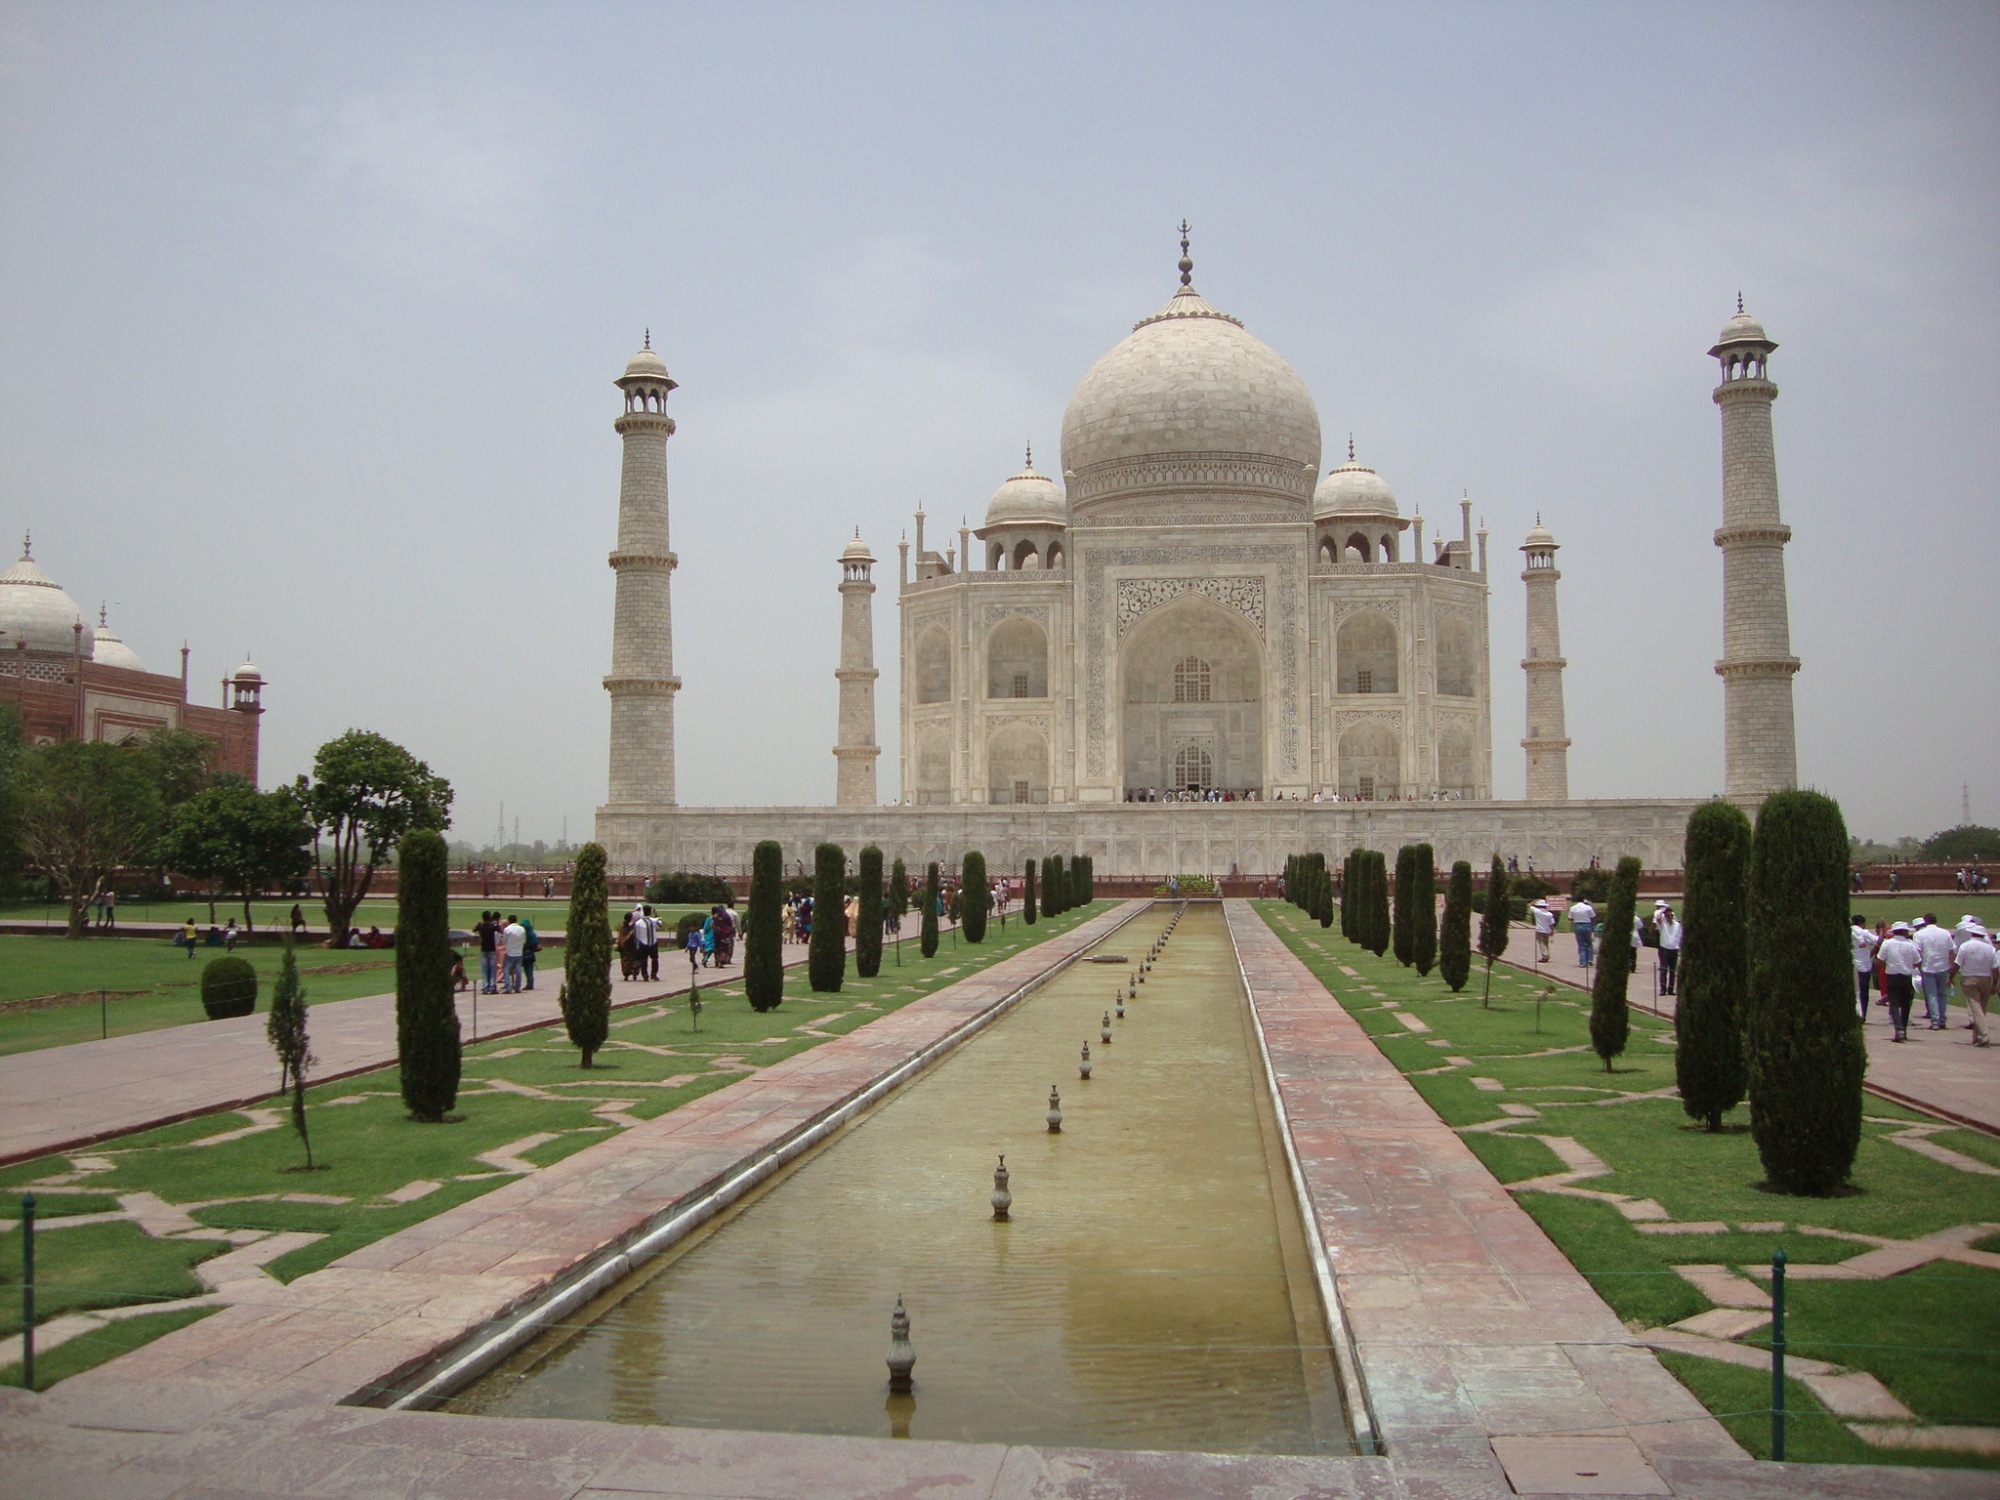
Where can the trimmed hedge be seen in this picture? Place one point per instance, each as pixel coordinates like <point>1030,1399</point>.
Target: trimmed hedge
<point>228,988</point>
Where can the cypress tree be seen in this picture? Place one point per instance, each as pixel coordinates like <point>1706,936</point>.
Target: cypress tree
<point>585,997</point>
<point>1609,1018</point>
<point>1322,889</point>
<point>975,894</point>
<point>1403,930</point>
<point>1423,909</point>
<point>1089,878</point>
<point>1350,928</point>
<point>1378,902</point>
<point>286,1027</point>
<point>1358,895</point>
<point>1802,1034</point>
<point>868,920</point>
<point>826,949</point>
<point>929,926</point>
<point>1493,922</point>
<point>764,929</point>
<point>1028,894</point>
<point>1709,1064</point>
<point>1051,887</point>
<point>1455,931</point>
<point>1292,880</point>
<point>426,1020</point>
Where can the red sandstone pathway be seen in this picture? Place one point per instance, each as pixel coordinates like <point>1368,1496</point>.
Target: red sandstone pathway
<point>1939,1071</point>
<point>62,1097</point>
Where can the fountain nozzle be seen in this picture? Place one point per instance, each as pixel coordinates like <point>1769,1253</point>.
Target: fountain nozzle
<point>902,1358</point>
<point>1002,1199</point>
<point>1054,1116</point>
<point>1083,1065</point>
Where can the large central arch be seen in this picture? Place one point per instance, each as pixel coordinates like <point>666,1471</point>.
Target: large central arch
<point>1191,679</point>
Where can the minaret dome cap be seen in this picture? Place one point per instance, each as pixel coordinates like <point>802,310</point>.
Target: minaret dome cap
<point>1742,329</point>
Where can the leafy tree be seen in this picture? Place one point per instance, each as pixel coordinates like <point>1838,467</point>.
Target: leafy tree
<point>1423,908</point>
<point>286,1027</point>
<point>1709,1064</point>
<point>1493,923</point>
<point>1804,1043</point>
<point>1028,894</point>
<point>427,1040</point>
<point>868,917</point>
<point>1967,843</point>
<point>239,839</point>
<point>1403,930</point>
<point>366,794</point>
<point>763,928</point>
<point>975,896</point>
<point>929,944</point>
<point>1609,1018</point>
<point>826,951</point>
<point>585,997</point>
<point>84,811</point>
<point>1455,930</point>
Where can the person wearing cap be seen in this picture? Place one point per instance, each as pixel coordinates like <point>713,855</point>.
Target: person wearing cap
<point>1865,944</point>
<point>1902,961</point>
<point>1978,969</point>
<point>1669,927</point>
<point>1936,946</point>
<point>1545,928</point>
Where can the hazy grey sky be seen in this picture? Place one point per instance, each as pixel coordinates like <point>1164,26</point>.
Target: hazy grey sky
<point>308,319</point>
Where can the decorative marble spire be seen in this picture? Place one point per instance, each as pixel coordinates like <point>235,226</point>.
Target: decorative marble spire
<point>1187,265</point>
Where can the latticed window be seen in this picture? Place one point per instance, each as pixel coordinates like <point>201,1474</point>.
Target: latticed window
<point>1191,680</point>
<point>1193,767</point>
<point>1364,680</point>
<point>1367,788</point>
<point>1020,684</point>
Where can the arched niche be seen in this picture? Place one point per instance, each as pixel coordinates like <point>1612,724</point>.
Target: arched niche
<point>933,767</point>
<point>1017,765</point>
<point>933,666</point>
<point>1055,554</point>
<point>1367,654</point>
<point>1457,658</point>
<point>1177,653</point>
<point>1025,555</point>
<point>1458,769</point>
<point>1370,760</point>
<point>1017,660</point>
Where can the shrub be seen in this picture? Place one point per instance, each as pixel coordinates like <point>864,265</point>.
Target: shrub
<point>1610,1021</point>
<point>1423,909</point>
<point>826,950</point>
<point>1455,930</point>
<point>1529,886</point>
<point>685,888</point>
<point>688,921</point>
<point>975,896</point>
<point>1593,886</point>
<point>1028,894</point>
<point>585,997</point>
<point>764,929</point>
<point>1803,1037</point>
<point>427,1044</point>
<point>1402,930</point>
<point>228,988</point>
<point>929,929</point>
<point>1493,923</point>
<point>868,918</point>
<point>1715,964</point>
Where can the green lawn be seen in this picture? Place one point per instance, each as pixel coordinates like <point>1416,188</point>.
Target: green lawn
<point>275,914</point>
<point>1932,1336</point>
<point>368,1149</point>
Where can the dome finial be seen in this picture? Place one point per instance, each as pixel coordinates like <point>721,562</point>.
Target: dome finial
<point>1350,447</point>
<point>102,621</point>
<point>1187,265</point>
<point>649,337</point>
<point>27,545</point>
<point>1031,455</point>
<point>1538,518</point>
<point>1739,302</point>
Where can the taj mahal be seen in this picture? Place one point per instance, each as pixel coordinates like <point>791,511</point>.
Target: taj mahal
<point>1194,650</point>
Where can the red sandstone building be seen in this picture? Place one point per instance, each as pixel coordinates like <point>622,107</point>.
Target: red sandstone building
<point>69,682</point>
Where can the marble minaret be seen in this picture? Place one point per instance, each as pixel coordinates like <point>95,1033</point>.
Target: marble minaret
<point>1547,743</point>
<point>642,682</point>
<point>856,750</point>
<point>1760,749</point>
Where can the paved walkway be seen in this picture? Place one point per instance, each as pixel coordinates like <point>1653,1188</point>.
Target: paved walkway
<point>64,1097</point>
<point>1939,1071</point>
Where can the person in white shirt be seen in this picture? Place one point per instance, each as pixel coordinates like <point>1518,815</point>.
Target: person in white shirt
<point>1545,928</point>
<point>1902,960</point>
<point>1936,946</point>
<point>1978,967</point>
<point>1865,943</point>
<point>1583,922</point>
<point>514,943</point>
<point>1670,949</point>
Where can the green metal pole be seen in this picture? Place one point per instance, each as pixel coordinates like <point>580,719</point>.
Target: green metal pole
<point>28,1292</point>
<point>1777,1356</point>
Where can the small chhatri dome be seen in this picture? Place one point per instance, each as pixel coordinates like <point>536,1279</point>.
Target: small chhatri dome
<point>646,365</point>
<point>1742,329</point>
<point>1030,498</point>
<point>247,673</point>
<point>1539,536</point>
<point>109,651</point>
<point>857,550</point>
<point>34,611</point>
<point>1353,489</point>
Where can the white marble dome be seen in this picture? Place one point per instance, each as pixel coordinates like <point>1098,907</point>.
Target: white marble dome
<point>1353,489</point>
<point>107,650</point>
<point>646,365</point>
<point>1742,329</point>
<point>34,611</point>
<point>1190,402</point>
<point>1030,498</point>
